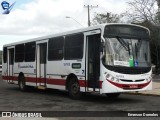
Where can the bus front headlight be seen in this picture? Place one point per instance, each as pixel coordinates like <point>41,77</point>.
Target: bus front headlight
<point>117,80</point>
<point>112,79</point>
<point>107,76</point>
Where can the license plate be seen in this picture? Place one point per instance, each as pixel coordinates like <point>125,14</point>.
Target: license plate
<point>133,86</point>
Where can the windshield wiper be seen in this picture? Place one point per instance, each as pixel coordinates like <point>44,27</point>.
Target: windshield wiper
<point>124,44</point>
<point>138,46</point>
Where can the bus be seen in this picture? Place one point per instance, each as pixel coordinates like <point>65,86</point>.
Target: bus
<point>106,59</point>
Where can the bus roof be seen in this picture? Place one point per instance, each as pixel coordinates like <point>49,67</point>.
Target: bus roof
<point>100,26</point>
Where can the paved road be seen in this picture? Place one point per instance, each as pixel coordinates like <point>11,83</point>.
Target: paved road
<point>11,99</point>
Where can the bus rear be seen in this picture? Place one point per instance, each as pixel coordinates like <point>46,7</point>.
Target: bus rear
<point>126,62</point>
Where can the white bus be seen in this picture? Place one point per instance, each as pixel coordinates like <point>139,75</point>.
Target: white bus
<point>106,59</point>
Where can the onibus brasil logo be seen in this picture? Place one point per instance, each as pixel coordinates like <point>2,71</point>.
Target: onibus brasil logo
<point>7,7</point>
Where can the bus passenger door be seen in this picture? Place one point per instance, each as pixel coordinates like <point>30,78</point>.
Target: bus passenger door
<point>93,61</point>
<point>41,64</point>
<point>10,64</point>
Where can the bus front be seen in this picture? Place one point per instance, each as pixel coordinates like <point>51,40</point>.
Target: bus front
<point>126,63</point>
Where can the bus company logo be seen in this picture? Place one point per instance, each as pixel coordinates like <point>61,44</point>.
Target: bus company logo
<point>25,66</point>
<point>7,7</point>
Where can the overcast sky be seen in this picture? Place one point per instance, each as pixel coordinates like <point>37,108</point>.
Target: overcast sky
<point>33,18</point>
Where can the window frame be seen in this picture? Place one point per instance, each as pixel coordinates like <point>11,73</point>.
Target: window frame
<point>71,38</point>
<point>27,52</point>
<point>19,53</point>
<point>5,55</point>
<point>54,50</point>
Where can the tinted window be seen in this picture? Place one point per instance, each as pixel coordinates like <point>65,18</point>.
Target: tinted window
<point>126,31</point>
<point>19,53</point>
<point>5,54</point>
<point>43,53</point>
<point>30,51</point>
<point>55,48</point>
<point>74,46</point>
<point>11,56</point>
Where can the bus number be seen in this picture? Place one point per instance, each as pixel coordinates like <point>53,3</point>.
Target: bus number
<point>66,64</point>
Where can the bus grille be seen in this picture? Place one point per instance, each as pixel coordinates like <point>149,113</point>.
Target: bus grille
<point>124,80</point>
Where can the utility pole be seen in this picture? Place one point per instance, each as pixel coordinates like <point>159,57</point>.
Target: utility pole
<point>158,3</point>
<point>88,7</point>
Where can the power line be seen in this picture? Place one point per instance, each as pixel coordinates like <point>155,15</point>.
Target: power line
<point>89,7</point>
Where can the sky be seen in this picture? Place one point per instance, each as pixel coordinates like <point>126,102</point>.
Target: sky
<point>35,18</point>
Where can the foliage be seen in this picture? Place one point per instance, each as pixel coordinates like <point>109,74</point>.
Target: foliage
<point>155,42</point>
<point>145,13</point>
<point>106,18</point>
<point>142,10</point>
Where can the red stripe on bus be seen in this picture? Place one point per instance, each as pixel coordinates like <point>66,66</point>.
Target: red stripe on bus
<point>82,83</point>
<point>14,78</point>
<point>42,80</point>
<point>129,86</point>
<point>31,79</point>
<point>4,77</point>
<point>100,82</point>
<point>56,81</point>
<point>62,82</point>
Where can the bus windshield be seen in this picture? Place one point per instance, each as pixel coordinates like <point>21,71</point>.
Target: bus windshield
<point>127,51</point>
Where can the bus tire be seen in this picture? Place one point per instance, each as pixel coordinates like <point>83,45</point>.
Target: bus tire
<point>74,89</point>
<point>112,95</point>
<point>22,84</point>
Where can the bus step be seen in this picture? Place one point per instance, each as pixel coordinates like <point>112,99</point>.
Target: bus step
<point>41,87</point>
<point>10,82</point>
<point>92,90</point>
<point>93,93</point>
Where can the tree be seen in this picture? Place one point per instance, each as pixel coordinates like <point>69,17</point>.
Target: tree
<point>145,13</point>
<point>155,43</point>
<point>106,18</point>
<point>158,3</point>
<point>142,10</point>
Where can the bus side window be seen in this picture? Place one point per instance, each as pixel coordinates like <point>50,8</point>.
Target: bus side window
<point>74,46</point>
<point>30,52</point>
<point>19,53</point>
<point>5,54</point>
<point>55,48</point>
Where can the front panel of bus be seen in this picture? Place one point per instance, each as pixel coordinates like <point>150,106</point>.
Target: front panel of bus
<point>126,63</point>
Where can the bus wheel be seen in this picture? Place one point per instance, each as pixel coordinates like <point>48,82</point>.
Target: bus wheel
<point>74,89</point>
<point>22,85</point>
<point>112,95</point>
